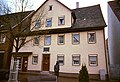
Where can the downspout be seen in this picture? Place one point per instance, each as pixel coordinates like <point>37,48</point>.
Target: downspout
<point>106,57</point>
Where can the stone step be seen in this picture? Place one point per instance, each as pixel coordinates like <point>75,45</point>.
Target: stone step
<point>45,72</point>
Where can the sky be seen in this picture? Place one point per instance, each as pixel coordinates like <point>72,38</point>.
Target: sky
<point>72,5</point>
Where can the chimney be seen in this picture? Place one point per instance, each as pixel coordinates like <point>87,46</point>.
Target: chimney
<point>77,4</point>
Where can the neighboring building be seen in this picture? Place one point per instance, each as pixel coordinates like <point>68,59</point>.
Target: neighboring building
<point>114,36</point>
<point>6,22</point>
<point>72,37</point>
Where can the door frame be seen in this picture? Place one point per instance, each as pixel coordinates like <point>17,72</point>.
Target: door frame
<point>23,63</point>
<point>43,61</point>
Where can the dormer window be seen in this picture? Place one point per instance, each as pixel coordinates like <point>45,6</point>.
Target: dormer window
<point>50,8</point>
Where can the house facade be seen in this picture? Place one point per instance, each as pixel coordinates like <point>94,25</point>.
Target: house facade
<point>113,37</point>
<point>72,37</point>
<point>6,22</point>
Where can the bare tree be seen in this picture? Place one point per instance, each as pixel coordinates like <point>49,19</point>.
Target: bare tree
<point>17,31</point>
<point>4,9</point>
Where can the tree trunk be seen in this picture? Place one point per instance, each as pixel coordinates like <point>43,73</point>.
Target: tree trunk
<point>7,60</point>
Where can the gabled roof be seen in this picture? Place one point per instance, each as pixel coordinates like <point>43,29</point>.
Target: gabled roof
<point>88,17</point>
<point>115,8</point>
<point>10,20</point>
<point>57,1</point>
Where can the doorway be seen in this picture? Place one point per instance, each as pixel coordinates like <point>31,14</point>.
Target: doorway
<point>46,62</point>
<point>23,63</point>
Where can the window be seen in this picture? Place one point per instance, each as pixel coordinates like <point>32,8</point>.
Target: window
<point>35,59</point>
<point>36,41</point>
<point>93,60</point>
<point>60,58</point>
<point>22,40</point>
<point>91,37</point>
<point>37,24</point>
<point>46,49</point>
<point>50,7</point>
<point>47,40</point>
<point>60,39</point>
<point>48,22</point>
<point>2,38</point>
<point>75,38</point>
<point>75,59</point>
<point>61,21</point>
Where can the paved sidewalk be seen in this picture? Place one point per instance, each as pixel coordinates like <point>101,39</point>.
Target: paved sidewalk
<point>64,79</point>
<point>47,77</point>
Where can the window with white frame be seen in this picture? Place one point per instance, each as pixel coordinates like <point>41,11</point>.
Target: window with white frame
<point>91,37</point>
<point>75,59</point>
<point>35,59</point>
<point>36,41</point>
<point>75,38</point>
<point>2,38</point>
<point>48,22</point>
<point>47,40</point>
<point>61,20</point>
<point>93,60</point>
<point>37,24</point>
<point>60,58</point>
<point>61,39</point>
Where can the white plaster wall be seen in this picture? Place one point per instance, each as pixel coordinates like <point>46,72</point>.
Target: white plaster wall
<point>58,10</point>
<point>113,37</point>
<point>68,49</point>
<point>36,50</point>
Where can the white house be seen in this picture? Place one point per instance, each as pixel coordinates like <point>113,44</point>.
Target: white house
<point>114,37</point>
<point>72,37</point>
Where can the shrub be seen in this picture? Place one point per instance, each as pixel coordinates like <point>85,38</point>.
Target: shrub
<point>83,74</point>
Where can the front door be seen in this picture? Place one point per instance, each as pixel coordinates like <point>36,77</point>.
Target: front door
<point>46,62</point>
<point>25,64</point>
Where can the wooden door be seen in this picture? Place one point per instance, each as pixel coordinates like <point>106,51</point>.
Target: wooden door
<point>25,64</point>
<point>46,62</point>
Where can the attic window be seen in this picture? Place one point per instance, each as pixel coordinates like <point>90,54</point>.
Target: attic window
<point>37,24</point>
<point>61,20</point>
<point>50,7</point>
